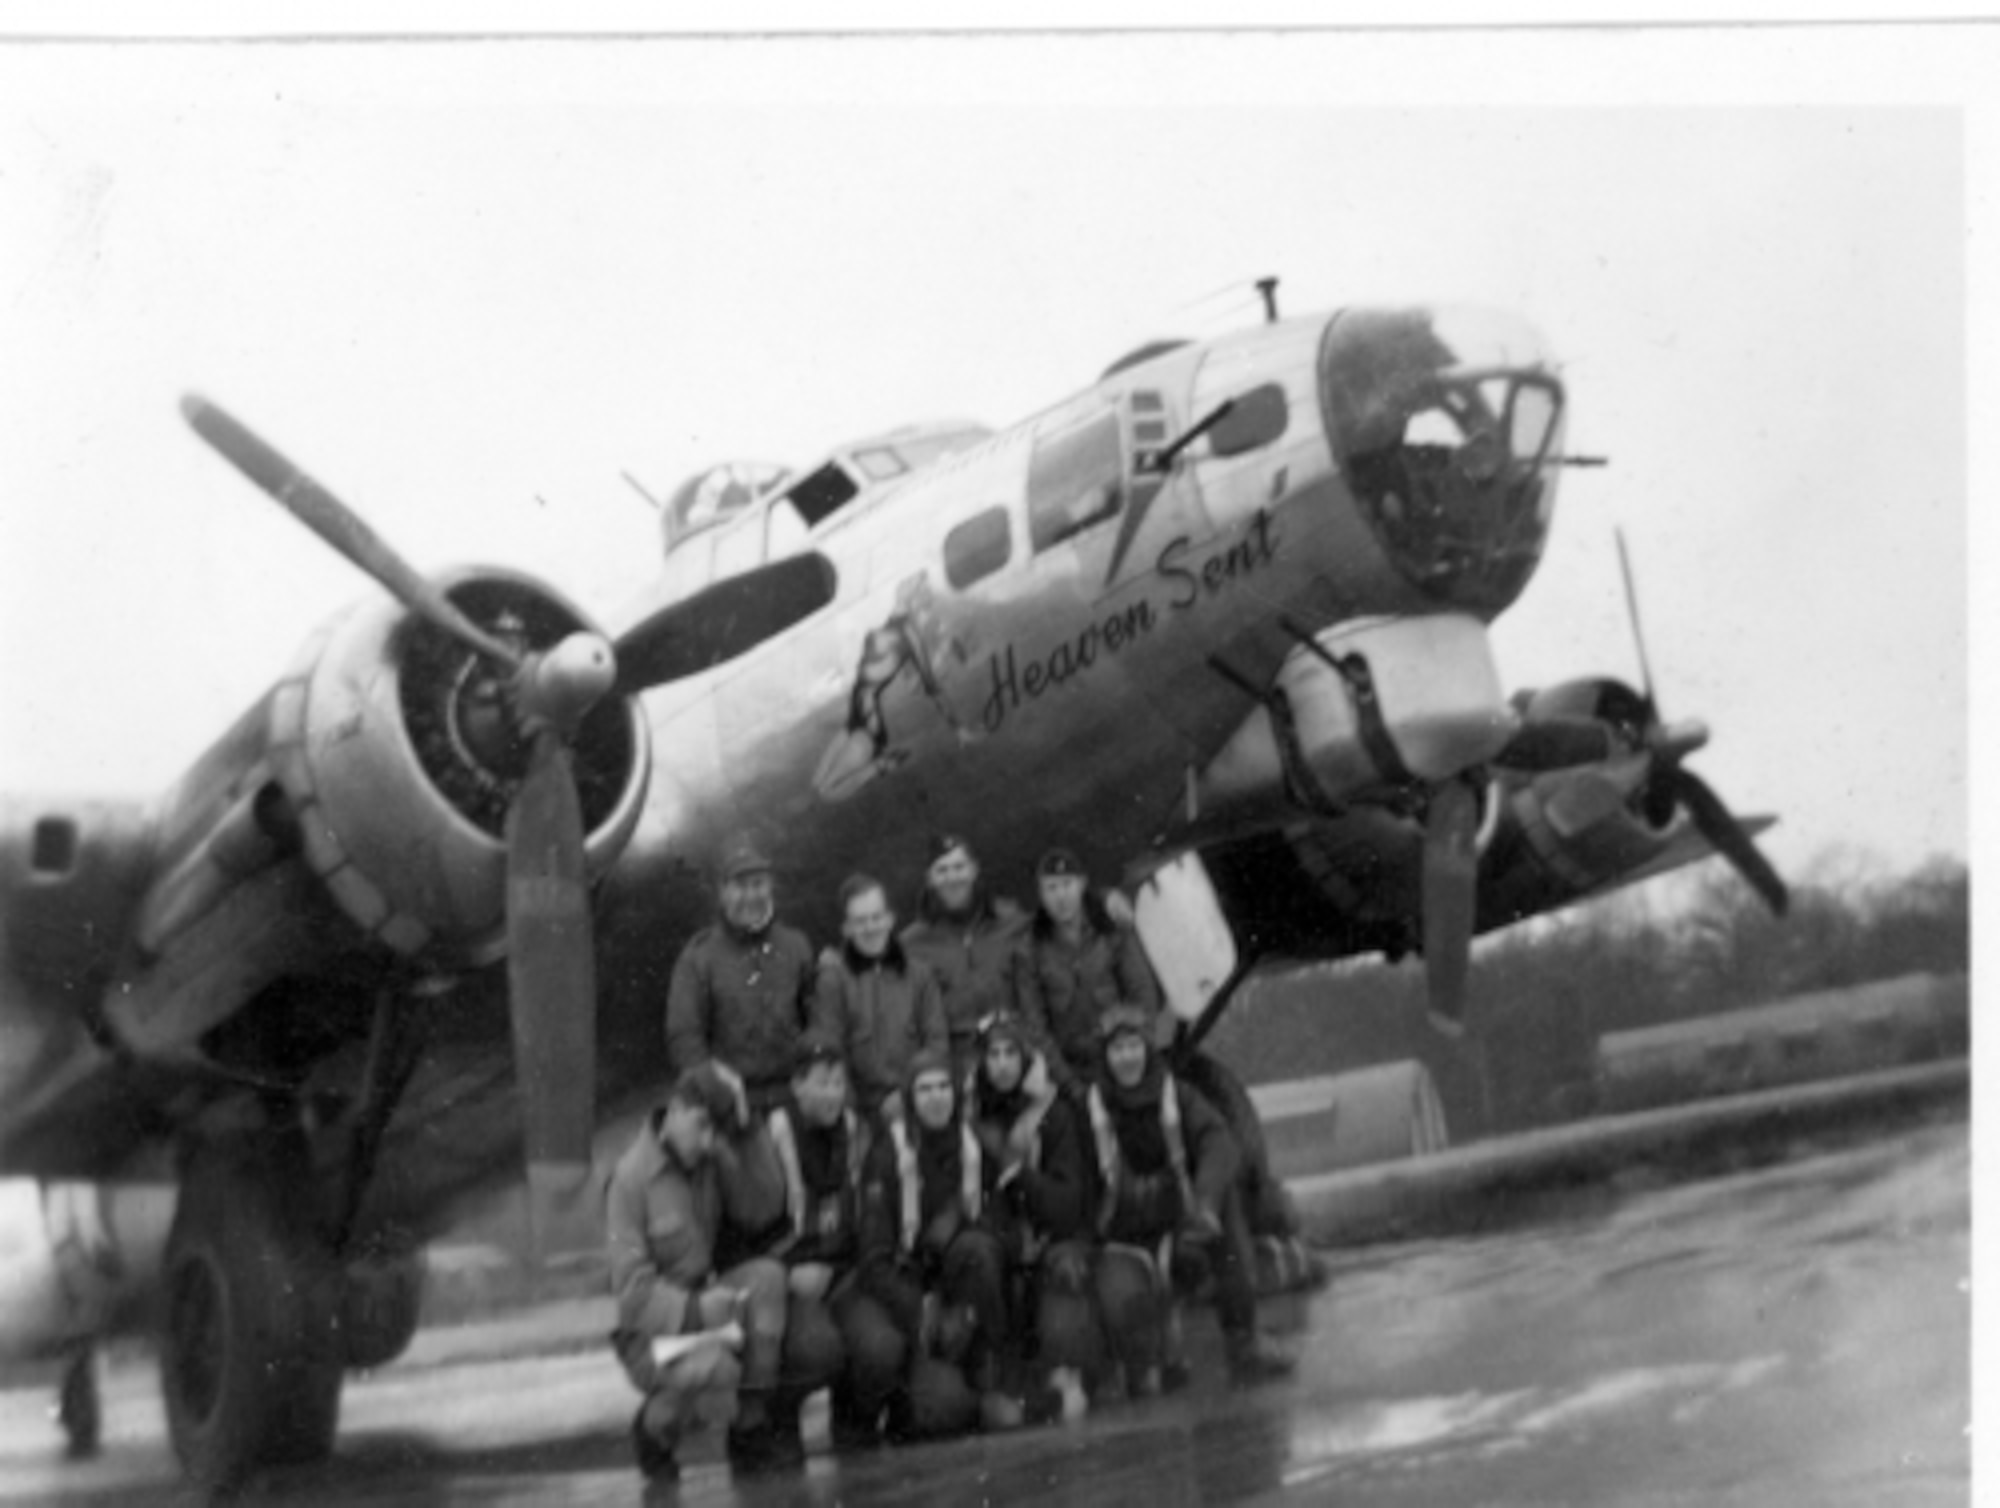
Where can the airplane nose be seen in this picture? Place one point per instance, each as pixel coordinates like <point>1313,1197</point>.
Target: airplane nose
<point>1447,426</point>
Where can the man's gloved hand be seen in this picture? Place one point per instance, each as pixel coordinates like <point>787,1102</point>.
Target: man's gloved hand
<point>1201,1227</point>
<point>717,1306</point>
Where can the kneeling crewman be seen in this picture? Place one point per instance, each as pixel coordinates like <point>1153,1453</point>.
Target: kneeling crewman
<point>1167,1166</point>
<point>684,1329</point>
<point>836,1163</point>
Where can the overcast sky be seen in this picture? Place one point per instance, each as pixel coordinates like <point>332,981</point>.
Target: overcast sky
<point>466,284</point>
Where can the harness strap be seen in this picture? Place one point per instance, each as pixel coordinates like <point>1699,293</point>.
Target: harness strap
<point>1111,1162</point>
<point>788,1158</point>
<point>910,1179</point>
<point>786,1142</point>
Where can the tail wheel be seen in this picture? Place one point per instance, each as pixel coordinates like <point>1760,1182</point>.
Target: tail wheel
<point>249,1356</point>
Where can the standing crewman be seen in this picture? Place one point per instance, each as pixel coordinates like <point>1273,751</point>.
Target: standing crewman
<point>685,1328</point>
<point>967,935</point>
<point>1072,965</point>
<point>740,999</point>
<point>880,1004</point>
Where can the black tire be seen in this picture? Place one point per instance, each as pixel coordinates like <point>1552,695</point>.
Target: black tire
<point>249,1351</point>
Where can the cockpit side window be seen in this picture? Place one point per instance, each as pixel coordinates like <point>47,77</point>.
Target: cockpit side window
<point>819,496</point>
<point>879,463</point>
<point>1076,479</point>
<point>1255,419</point>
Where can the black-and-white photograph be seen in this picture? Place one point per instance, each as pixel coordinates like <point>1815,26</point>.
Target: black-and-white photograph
<point>848,763</point>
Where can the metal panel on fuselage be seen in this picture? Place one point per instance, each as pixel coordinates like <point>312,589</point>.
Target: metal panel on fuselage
<point>1068,691</point>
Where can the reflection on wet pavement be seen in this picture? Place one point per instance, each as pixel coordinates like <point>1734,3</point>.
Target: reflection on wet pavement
<point>1793,1334</point>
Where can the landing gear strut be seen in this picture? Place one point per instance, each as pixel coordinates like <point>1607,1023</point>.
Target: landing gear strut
<point>78,1409</point>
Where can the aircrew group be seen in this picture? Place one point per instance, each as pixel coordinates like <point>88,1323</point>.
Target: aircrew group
<point>946,1174</point>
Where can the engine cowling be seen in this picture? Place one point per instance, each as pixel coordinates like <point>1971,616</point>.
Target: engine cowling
<point>79,1261</point>
<point>389,760</point>
<point>372,781</point>
<point>1566,832</point>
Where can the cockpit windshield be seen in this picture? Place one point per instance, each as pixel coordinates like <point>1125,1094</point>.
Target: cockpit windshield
<point>885,460</point>
<point>1446,424</point>
<point>717,495</point>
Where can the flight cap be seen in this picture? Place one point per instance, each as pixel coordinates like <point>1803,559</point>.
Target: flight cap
<point>944,843</point>
<point>704,1088</point>
<point>816,1047</point>
<point>1058,861</point>
<point>742,854</point>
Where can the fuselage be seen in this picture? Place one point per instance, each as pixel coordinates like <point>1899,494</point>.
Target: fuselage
<point>992,666</point>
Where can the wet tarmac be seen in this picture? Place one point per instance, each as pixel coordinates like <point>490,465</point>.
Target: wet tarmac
<point>1794,1333</point>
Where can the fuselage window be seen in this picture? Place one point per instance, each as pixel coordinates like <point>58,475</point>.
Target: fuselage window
<point>54,848</point>
<point>977,548</point>
<point>1075,480</point>
<point>1257,418</point>
<point>1149,429</point>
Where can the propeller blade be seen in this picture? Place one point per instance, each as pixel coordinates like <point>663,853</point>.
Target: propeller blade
<point>1716,823</point>
<point>1450,894</point>
<point>1632,612</point>
<point>722,621</point>
<point>338,525</point>
<point>552,995</point>
<point>1557,743</point>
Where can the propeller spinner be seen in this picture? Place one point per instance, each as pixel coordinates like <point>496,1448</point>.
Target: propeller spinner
<point>543,696</point>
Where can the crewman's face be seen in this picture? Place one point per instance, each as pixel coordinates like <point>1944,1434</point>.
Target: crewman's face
<point>687,1132</point>
<point>1004,1064</point>
<point>1062,897</point>
<point>748,899</point>
<point>1125,1056</point>
<point>952,877</point>
<point>930,1096</point>
<point>821,1092</point>
<point>869,923</point>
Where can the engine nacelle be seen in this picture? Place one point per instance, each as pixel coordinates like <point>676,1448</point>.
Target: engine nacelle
<point>81,1261</point>
<point>400,813</point>
<point>1369,705</point>
<point>372,782</point>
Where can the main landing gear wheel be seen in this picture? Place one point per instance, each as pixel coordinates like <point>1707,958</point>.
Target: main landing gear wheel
<point>250,1356</point>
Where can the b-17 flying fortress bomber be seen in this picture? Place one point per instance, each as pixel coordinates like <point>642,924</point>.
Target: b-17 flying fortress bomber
<point>1220,620</point>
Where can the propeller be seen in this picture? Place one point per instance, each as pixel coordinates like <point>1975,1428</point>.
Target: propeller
<point>1450,897</point>
<point>1670,784</point>
<point>546,694</point>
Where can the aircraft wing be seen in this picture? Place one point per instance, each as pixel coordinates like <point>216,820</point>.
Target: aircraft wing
<point>1333,885</point>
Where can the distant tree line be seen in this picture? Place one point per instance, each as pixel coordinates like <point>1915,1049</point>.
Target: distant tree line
<point>1548,989</point>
